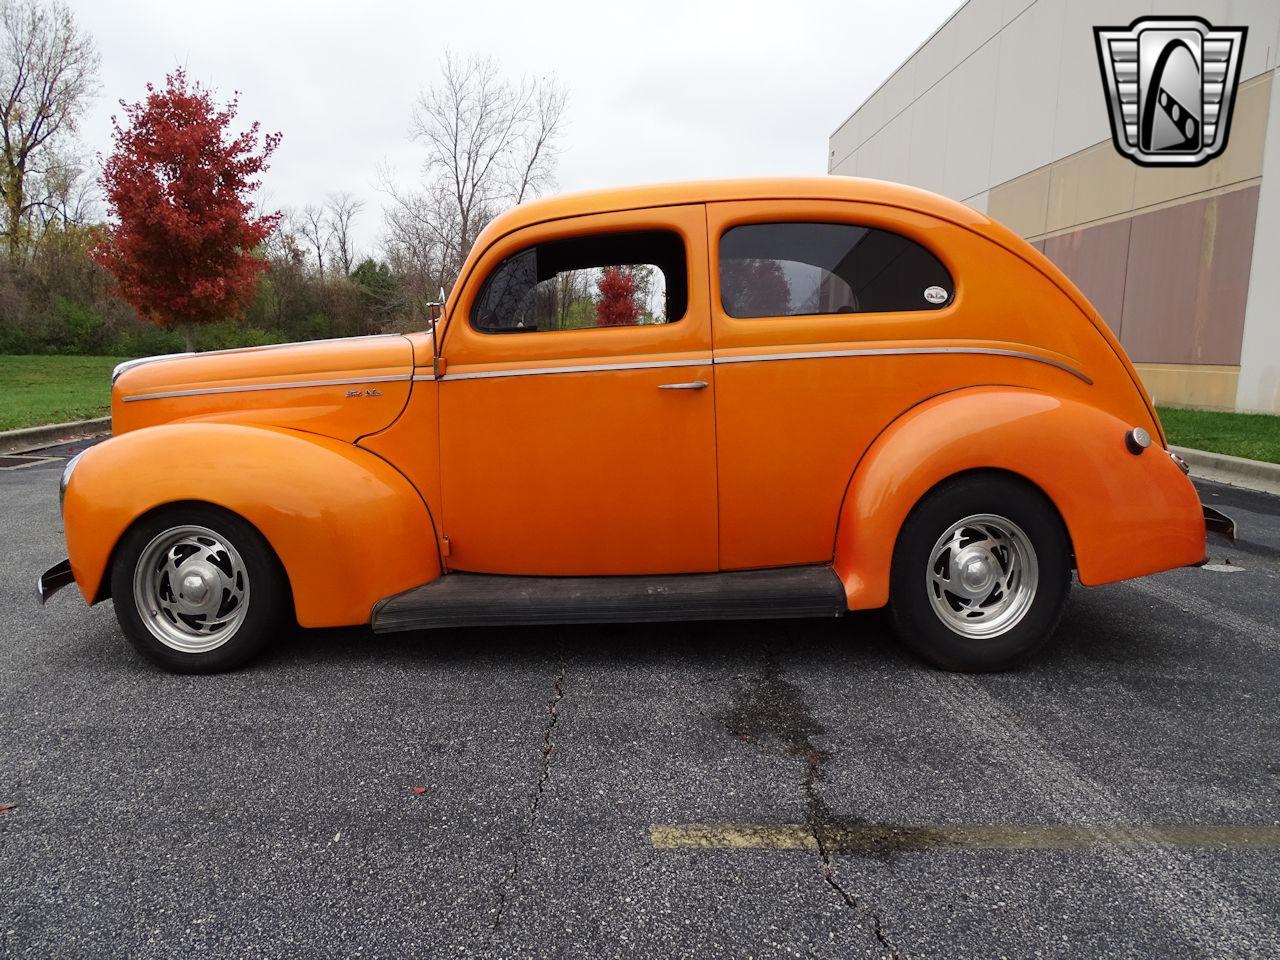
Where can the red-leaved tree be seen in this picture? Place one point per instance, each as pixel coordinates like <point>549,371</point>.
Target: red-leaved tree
<point>180,183</point>
<point>616,306</point>
<point>754,288</point>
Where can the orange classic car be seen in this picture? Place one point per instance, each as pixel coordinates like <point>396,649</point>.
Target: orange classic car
<point>736,399</point>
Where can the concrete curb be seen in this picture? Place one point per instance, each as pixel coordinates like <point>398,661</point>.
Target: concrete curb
<point>1251,474</point>
<point>32,438</point>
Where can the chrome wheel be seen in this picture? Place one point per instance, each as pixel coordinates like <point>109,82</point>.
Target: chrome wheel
<point>982,576</point>
<point>191,589</point>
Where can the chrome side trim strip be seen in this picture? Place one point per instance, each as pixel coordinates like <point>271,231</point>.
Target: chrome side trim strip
<point>604,367</point>
<point>585,368</point>
<point>130,364</point>
<point>250,387</point>
<point>907,351</point>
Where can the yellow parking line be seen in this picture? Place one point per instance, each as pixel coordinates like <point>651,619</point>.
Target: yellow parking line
<point>748,836</point>
<point>885,838</point>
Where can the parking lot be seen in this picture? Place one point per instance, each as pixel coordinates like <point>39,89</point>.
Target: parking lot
<point>762,789</point>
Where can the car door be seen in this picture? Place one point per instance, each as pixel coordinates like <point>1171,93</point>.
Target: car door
<point>577,401</point>
<point>821,312</point>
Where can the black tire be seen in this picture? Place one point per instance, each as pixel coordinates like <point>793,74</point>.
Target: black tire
<point>261,580</point>
<point>913,593</point>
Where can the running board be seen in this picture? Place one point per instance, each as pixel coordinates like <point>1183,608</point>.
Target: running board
<point>484,600</point>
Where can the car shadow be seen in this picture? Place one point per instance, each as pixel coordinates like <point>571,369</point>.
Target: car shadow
<point>1097,626</point>
<point>866,635</point>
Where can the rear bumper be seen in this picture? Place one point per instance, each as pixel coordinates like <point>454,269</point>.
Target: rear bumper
<point>53,580</point>
<point>1217,522</point>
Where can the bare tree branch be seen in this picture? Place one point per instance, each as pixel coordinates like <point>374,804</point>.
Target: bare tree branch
<point>312,225</point>
<point>48,69</point>
<point>534,163</point>
<point>342,212</point>
<point>489,143</point>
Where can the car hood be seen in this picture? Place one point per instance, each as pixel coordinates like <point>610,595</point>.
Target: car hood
<point>339,388</point>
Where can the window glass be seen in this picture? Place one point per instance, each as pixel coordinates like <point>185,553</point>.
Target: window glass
<point>607,280</point>
<point>790,269</point>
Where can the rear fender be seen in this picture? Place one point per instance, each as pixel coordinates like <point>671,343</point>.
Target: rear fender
<point>348,528</point>
<point>1127,515</point>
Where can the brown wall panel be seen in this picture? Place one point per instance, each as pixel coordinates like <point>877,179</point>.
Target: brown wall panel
<point>1096,259</point>
<point>1187,280</point>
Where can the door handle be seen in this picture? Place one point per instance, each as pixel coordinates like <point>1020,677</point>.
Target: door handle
<point>689,385</point>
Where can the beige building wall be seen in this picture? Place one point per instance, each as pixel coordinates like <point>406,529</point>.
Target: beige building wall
<point>1259,381</point>
<point>1003,108</point>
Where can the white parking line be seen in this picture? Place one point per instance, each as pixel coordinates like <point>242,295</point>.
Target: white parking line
<point>1203,909</point>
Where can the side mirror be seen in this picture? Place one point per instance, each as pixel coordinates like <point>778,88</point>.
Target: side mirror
<point>434,305</point>
<point>437,365</point>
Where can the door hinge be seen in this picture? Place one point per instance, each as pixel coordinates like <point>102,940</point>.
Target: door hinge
<point>444,546</point>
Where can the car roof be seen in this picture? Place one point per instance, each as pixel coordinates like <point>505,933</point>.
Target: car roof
<point>777,188</point>
<point>710,191</point>
<point>790,188</point>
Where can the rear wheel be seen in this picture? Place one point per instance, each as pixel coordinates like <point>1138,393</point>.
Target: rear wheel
<point>197,589</point>
<point>981,573</point>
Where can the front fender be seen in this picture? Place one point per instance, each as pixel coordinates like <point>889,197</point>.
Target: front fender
<point>348,528</point>
<point>1127,515</point>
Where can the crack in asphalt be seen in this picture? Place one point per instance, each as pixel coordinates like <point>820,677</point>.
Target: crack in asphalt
<point>818,817</point>
<point>553,711</point>
<point>771,707</point>
<point>535,798</point>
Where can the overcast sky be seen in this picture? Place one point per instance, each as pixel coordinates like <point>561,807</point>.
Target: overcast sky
<point>657,90</point>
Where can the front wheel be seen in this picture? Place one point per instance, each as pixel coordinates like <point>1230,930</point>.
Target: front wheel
<point>981,573</point>
<point>197,589</point>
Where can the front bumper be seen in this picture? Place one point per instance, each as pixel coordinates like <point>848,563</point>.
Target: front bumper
<point>53,580</point>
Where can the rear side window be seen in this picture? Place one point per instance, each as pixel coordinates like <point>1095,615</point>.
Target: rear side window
<point>605,280</point>
<point>795,269</point>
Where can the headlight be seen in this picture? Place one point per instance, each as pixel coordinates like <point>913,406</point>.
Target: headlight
<point>66,477</point>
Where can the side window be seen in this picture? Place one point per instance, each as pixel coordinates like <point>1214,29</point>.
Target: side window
<point>607,280</point>
<point>794,269</point>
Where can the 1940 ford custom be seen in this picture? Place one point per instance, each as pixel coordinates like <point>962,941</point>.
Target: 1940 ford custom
<point>769,398</point>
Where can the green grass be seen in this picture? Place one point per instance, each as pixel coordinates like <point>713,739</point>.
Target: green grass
<point>52,389</point>
<point>1252,435</point>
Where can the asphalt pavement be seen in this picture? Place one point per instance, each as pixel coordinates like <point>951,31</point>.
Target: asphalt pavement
<point>760,789</point>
